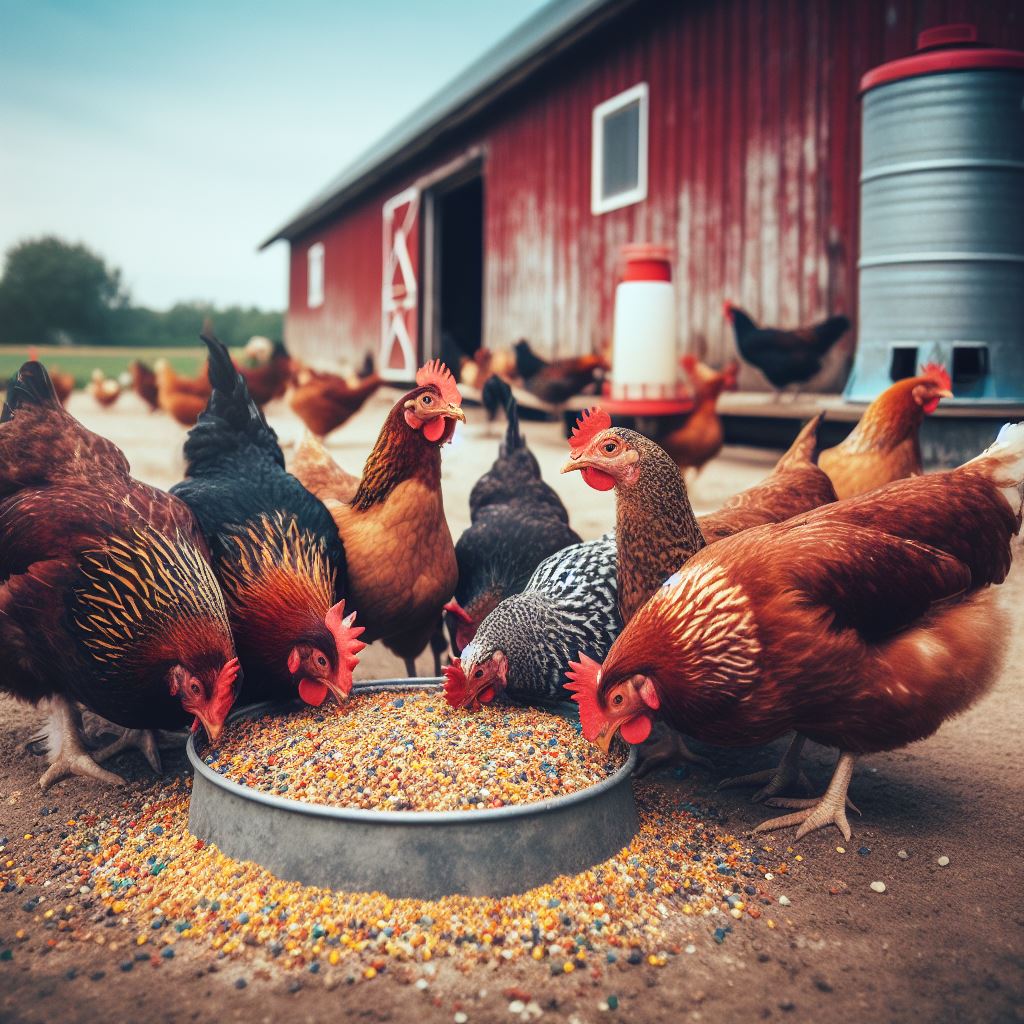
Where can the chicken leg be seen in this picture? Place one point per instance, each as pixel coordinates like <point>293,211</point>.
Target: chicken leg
<point>95,728</point>
<point>669,748</point>
<point>774,781</point>
<point>66,749</point>
<point>829,810</point>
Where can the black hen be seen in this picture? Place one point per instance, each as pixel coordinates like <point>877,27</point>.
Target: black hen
<point>517,521</point>
<point>785,357</point>
<point>276,549</point>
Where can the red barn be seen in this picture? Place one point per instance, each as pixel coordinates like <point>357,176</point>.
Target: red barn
<point>729,129</point>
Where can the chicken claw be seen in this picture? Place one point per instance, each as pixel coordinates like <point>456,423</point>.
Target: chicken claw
<point>69,756</point>
<point>776,780</point>
<point>143,740</point>
<point>668,749</point>
<point>829,810</point>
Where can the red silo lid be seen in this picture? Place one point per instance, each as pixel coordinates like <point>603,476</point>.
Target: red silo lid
<point>944,48</point>
<point>647,262</point>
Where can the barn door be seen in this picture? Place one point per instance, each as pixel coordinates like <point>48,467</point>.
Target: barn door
<point>399,350</point>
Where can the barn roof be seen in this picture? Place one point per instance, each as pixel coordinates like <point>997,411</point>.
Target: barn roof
<point>540,38</point>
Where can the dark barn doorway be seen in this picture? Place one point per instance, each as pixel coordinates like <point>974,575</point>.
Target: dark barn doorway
<point>455,318</point>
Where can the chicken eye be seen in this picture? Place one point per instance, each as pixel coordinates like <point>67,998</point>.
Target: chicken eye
<point>617,699</point>
<point>321,660</point>
<point>610,447</point>
<point>195,689</point>
<point>427,400</point>
<point>478,673</point>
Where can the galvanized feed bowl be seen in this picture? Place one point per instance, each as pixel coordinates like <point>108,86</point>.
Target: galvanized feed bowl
<point>422,854</point>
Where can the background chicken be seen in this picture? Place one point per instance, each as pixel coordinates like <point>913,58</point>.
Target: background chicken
<point>884,446</point>
<point>107,596</point>
<point>523,647</point>
<point>268,380</point>
<point>556,382</point>
<point>701,437</point>
<point>183,397</point>
<point>63,385</point>
<point>517,520</point>
<point>276,550</point>
<point>401,559</point>
<point>325,401</point>
<point>784,357</point>
<point>655,527</point>
<point>144,383</point>
<point>106,390</point>
<point>799,626</point>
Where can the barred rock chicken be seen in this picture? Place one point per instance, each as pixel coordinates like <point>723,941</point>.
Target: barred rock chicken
<point>325,401</point>
<point>401,559</point>
<point>107,596</point>
<point>517,520</point>
<point>784,357</point>
<point>522,648</point>
<point>701,437</point>
<point>655,527</point>
<point>144,383</point>
<point>269,380</point>
<point>884,445</point>
<point>106,390</point>
<point>861,625</point>
<point>556,382</point>
<point>183,397</point>
<point>275,549</point>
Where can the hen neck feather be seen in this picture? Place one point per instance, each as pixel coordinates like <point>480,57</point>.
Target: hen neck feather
<point>889,420</point>
<point>400,454</point>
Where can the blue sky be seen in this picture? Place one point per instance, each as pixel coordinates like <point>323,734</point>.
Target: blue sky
<point>173,137</point>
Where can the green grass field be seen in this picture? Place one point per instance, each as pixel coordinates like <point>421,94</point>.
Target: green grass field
<point>112,360</point>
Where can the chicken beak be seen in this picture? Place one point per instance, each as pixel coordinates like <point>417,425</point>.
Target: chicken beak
<point>944,394</point>
<point>604,738</point>
<point>341,696</point>
<point>575,462</point>
<point>213,729</point>
<point>455,412</point>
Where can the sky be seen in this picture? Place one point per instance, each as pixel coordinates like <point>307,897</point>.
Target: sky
<point>174,137</point>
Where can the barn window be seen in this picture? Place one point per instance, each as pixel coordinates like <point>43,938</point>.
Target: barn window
<point>315,275</point>
<point>619,151</point>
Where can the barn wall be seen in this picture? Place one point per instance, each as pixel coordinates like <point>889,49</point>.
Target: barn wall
<point>754,161</point>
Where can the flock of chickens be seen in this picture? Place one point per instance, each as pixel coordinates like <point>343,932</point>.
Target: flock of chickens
<point>844,599</point>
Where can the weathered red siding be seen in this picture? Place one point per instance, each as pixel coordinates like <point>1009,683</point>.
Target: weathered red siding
<point>754,164</point>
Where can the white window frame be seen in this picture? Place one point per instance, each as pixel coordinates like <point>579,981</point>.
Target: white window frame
<point>315,275</point>
<point>598,202</point>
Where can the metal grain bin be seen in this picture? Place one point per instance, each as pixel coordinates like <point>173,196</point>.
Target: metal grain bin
<point>941,270</point>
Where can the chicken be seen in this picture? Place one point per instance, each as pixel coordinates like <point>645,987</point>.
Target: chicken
<point>269,380</point>
<point>517,520</point>
<point>106,593</point>
<point>325,401</point>
<point>63,385</point>
<point>106,390</point>
<point>275,549</point>
<point>523,648</point>
<point>785,357</point>
<point>862,625</point>
<point>401,559</point>
<point>475,370</point>
<point>701,437</point>
<point>884,445</point>
<point>183,397</point>
<point>556,382</point>
<point>655,527</point>
<point>144,383</point>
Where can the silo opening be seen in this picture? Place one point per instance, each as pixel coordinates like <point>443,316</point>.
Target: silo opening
<point>903,363</point>
<point>970,366</point>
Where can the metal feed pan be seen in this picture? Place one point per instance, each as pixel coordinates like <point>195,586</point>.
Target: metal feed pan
<point>421,854</point>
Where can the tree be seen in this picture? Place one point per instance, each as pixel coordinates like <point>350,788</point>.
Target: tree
<point>53,291</point>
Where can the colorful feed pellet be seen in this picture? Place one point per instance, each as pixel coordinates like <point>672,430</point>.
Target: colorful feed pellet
<point>164,888</point>
<point>410,751</point>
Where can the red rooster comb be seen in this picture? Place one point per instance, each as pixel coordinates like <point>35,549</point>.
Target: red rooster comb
<point>584,678</point>
<point>939,374</point>
<point>590,423</point>
<point>223,697</point>
<point>346,638</point>
<point>727,310</point>
<point>458,611</point>
<point>688,362</point>
<point>456,688</point>
<point>437,374</point>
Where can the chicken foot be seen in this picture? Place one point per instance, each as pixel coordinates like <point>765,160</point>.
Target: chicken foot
<point>668,749</point>
<point>143,740</point>
<point>68,752</point>
<point>829,810</point>
<point>774,781</point>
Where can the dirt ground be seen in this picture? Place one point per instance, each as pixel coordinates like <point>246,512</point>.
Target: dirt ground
<point>942,943</point>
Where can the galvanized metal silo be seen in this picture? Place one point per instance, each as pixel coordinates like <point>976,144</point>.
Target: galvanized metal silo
<point>941,269</point>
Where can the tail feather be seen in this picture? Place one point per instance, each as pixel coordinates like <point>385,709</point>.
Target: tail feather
<point>1003,460</point>
<point>497,392</point>
<point>802,451</point>
<point>829,331</point>
<point>31,385</point>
